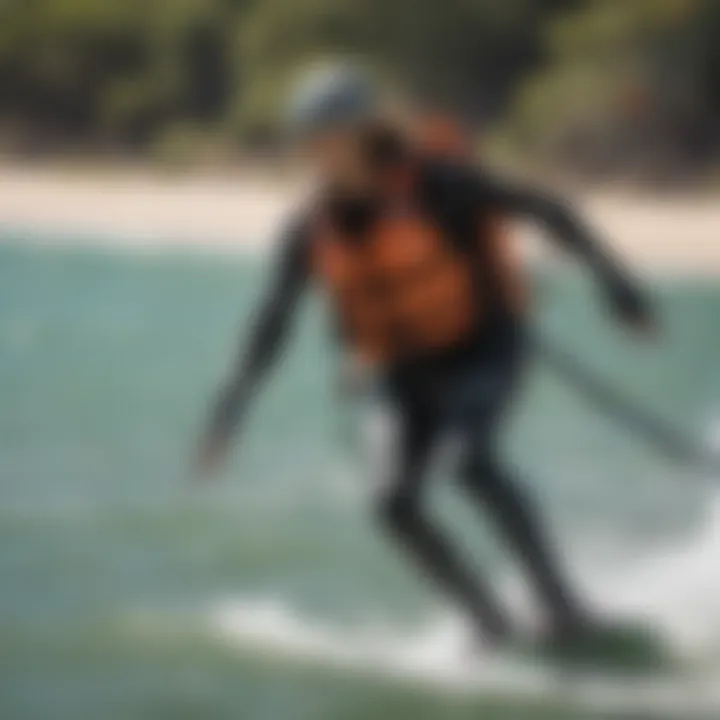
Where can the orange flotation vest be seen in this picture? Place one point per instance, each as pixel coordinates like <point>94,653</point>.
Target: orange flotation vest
<point>404,290</point>
<point>400,292</point>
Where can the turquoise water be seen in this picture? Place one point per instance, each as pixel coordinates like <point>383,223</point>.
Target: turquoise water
<point>127,592</point>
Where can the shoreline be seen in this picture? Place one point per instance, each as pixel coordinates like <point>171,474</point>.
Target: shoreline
<point>138,210</point>
<point>237,214</point>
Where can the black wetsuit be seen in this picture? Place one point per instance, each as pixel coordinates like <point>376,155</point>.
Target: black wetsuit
<point>466,388</point>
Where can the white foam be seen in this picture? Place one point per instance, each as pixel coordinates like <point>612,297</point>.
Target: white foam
<point>437,657</point>
<point>678,587</point>
<point>438,653</point>
<point>677,590</point>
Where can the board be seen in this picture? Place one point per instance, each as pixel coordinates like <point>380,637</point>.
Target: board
<point>618,648</point>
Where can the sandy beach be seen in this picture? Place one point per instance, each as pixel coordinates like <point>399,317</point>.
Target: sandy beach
<point>140,210</point>
<point>230,214</point>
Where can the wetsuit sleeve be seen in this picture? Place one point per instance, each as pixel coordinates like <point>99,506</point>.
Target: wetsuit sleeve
<point>567,228</point>
<point>269,329</point>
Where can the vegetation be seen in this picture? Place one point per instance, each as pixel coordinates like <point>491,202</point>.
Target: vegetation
<point>631,85</point>
<point>596,83</point>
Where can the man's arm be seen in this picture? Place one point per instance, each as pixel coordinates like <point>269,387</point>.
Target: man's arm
<point>569,230</point>
<point>264,344</point>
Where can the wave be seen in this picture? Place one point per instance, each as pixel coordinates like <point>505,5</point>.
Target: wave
<point>678,587</point>
<point>438,658</point>
<point>677,590</point>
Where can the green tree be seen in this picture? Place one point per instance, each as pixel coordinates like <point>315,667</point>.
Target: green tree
<point>467,54</point>
<point>97,69</point>
<point>631,83</point>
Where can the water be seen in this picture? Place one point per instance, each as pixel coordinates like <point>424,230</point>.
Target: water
<point>126,592</point>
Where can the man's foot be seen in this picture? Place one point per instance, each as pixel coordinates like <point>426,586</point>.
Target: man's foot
<point>492,636</point>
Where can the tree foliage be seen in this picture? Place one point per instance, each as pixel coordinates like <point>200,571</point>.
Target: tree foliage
<point>629,82</point>
<point>85,69</point>
<point>562,74</point>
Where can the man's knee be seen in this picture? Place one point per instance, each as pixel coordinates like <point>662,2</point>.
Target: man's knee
<point>476,467</point>
<point>399,510</point>
<point>482,473</point>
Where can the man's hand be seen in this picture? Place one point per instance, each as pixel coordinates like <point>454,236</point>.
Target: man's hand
<point>223,426</point>
<point>213,453</point>
<point>632,308</point>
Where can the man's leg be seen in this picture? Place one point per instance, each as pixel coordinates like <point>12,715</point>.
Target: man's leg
<point>401,513</point>
<point>491,486</point>
<point>482,400</point>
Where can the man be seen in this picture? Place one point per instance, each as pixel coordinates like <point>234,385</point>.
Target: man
<point>408,247</point>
